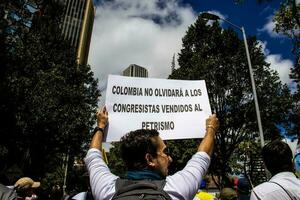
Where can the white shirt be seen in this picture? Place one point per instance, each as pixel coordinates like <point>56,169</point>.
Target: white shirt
<point>272,191</point>
<point>80,196</point>
<point>182,185</point>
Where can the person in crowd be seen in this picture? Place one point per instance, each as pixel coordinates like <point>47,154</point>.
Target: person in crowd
<point>284,184</point>
<point>26,188</point>
<point>297,159</point>
<point>146,158</point>
<point>56,192</point>
<point>7,193</point>
<point>203,193</point>
<point>228,194</point>
<point>86,195</point>
<point>243,189</point>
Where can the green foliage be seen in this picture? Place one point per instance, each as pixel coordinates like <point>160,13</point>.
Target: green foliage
<point>46,98</point>
<point>287,22</point>
<point>115,162</point>
<point>246,159</point>
<point>218,57</point>
<point>181,152</point>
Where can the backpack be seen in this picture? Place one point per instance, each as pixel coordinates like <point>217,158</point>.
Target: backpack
<point>141,189</point>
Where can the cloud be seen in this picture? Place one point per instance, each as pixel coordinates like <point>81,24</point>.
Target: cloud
<point>282,66</point>
<point>263,46</point>
<point>142,32</point>
<point>269,28</point>
<point>267,9</point>
<point>277,63</point>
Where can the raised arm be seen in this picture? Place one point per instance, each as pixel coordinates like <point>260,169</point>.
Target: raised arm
<point>185,183</point>
<point>102,119</point>
<point>102,181</point>
<point>207,144</point>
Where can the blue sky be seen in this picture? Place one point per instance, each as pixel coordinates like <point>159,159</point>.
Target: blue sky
<point>149,32</point>
<point>253,16</point>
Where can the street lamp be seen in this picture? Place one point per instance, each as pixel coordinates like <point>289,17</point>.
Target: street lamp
<point>215,17</point>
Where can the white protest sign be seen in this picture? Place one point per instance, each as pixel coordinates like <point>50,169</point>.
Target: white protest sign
<point>178,109</point>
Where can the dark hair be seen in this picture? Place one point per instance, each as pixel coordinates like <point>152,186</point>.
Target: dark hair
<point>277,157</point>
<point>135,145</point>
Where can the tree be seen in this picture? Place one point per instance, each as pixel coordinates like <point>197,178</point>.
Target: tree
<point>49,97</point>
<point>115,162</point>
<point>218,57</point>
<point>247,160</point>
<point>173,64</point>
<point>287,22</point>
<point>12,28</point>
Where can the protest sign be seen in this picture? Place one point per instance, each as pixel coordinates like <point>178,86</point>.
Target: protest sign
<point>178,109</point>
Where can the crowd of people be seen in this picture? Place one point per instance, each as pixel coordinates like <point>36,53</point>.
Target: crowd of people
<point>147,159</point>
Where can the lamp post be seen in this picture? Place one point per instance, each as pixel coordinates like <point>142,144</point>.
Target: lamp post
<point>215,17</point>
<point>66,163</point>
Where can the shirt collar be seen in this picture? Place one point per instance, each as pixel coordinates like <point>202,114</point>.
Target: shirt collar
<point>283,175</point>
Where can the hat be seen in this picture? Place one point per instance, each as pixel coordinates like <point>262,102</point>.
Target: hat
<point>25,183</point>
<point>228,194</point>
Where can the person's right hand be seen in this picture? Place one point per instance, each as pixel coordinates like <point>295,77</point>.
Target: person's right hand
<point>212,122</point>
<point>102,117</point>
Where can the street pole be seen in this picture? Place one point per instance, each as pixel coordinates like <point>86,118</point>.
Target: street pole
<point>66,160</point>
<point>261,135</point>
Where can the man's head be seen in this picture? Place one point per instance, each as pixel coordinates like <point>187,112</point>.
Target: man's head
<point>278,157</point>
<point>144,149</point>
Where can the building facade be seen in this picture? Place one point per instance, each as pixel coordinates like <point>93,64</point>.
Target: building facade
<point>77,26</point>
<point>16,16</point>
<point>134,70</point>
<point>77,21</point>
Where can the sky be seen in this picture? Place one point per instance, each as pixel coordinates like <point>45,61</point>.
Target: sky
<point>149,32</point>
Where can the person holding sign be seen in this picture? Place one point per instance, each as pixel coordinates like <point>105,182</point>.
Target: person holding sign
<point>146,158</point>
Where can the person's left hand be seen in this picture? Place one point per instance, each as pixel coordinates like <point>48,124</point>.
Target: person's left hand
<point>102,117</point>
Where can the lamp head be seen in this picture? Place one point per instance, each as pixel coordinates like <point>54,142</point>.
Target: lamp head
<point>209,16</point>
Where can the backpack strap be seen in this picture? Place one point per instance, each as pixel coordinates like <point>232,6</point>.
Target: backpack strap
<point>154,187</point>
<point>256,195</point>
<point>132,185</point>
<point>287,192</point>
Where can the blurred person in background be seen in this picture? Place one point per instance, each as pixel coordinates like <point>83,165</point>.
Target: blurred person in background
<point>26,188</point>
<point>243,189</point>
<point>284,185</point>
<point>228,194</point>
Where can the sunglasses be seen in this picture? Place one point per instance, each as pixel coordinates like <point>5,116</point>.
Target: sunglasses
<point>167,151</point>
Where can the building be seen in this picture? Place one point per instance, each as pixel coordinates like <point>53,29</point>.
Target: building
<point>16,17</point>
<point>77,21</point>
<point>135,71</point>
<point>77,26</point>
